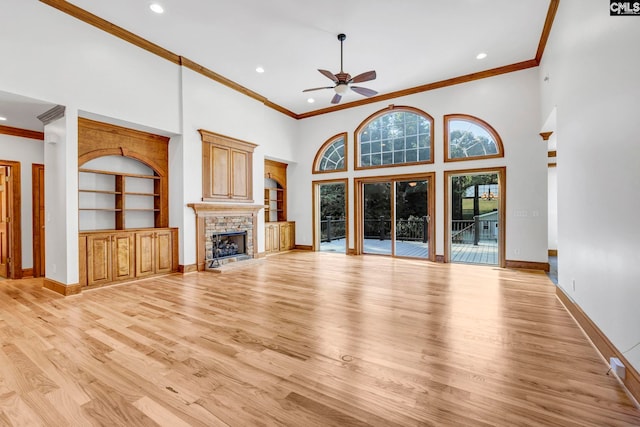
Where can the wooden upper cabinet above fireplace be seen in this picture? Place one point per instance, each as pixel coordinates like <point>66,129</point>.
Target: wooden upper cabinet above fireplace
<point>227,165</point>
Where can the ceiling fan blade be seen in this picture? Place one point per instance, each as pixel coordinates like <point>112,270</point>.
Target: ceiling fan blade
<point>364,77</point>
<point>336,98</point>
<point>363,91</point>
<point>329,75</point>
<point>318,88</point>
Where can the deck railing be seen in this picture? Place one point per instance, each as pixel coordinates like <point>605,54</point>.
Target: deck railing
<point>331,229</point>
<point>474,230</point>
<point>413,230</point>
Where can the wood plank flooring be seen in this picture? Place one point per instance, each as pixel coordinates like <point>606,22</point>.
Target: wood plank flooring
<point>305,339</point>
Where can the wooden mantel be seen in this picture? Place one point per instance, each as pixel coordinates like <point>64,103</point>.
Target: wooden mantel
<point>204,210</point>
<point>219,208</point>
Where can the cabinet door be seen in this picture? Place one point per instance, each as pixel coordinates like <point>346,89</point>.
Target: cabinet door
<point>292,235</point>
<point>123,256</point>
<point>99,259</point>
<point>273,238</point>
<point>284,236</point>
<point>241,175</point>
<point>220,172</point>
<point>267,239</point>
<point>163,251</point>
<point>145,254</point>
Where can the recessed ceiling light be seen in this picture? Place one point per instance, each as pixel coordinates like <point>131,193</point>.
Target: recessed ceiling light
<point>157,8</point>
<point>259,70</point>
<point>3,119</point>
<point>481,55</point>
<point>311,100</point>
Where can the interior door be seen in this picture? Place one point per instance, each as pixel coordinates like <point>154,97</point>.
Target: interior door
<point>4,229</point>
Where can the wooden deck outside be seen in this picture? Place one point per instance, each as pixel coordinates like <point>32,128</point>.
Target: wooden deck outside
<point>305,339</point>
<point>486,252</point>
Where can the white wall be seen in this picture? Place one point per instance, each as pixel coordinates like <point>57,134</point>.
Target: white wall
<point>552,212</point>
<point>217,108</point>
<point>510,103</point>
<point>27,152</point>
<point>592,61</point>
<point>59,59</point>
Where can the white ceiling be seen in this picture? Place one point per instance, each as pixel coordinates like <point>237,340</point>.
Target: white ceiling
<point>22,112</point>
<point>408,42</point>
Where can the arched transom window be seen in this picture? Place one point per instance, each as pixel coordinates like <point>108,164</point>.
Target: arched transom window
<point>467,138</point>
<point>331,157</point>
<point>396,136</point>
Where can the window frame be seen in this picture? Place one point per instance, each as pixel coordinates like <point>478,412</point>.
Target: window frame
<point>380,113</point>
<point>479,122</point>
<point>323,148</point>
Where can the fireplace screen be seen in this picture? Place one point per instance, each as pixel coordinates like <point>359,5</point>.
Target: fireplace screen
<point>226,245</point>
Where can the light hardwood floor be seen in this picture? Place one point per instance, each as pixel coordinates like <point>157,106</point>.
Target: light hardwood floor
<point>305,339</point>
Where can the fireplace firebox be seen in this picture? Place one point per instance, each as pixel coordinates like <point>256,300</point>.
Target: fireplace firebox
<point>226,245</point>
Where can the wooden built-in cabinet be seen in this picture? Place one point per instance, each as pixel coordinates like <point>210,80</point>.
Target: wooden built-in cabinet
<point>124,219</point>
<point>279,236</point>
<point>118,256</point>
<point>227,165</point>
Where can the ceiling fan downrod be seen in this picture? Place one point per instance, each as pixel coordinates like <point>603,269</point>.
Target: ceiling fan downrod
<point>341,37</point>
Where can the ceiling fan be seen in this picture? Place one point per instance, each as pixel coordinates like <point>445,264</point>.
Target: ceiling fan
<point>343,80</point>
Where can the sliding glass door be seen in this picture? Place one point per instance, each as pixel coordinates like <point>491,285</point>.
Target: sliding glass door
<point>332,217</point>
<point>475,216</point>
<point>412,218</point>
<point>377,218</point>
<point>395,216</point>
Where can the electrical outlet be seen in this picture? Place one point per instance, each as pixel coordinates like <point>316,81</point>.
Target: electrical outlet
<point>573,284</point>
<point>53,268</point>
<point>516,251</point>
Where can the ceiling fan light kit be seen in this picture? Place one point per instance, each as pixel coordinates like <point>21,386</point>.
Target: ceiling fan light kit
<point>343,80</point>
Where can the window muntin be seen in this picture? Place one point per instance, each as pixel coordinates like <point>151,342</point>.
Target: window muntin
<point>401,136</point>
<point>332,157</point>
<point>469,138</point>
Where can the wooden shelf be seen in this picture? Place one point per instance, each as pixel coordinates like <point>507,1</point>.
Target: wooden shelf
<point>130,175</point>
<point>145,197</point>
<point>128,193</point>
<point>99,191</point>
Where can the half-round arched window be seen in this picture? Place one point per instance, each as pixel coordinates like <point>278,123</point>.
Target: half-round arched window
<point>332,156</point>
<point>468,138</point>
<point>394,136</point>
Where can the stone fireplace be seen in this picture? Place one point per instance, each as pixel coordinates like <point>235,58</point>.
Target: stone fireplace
<point>222,228</point>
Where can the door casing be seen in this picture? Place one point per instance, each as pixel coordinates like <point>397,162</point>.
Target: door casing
<point>38,219</point>
<point>501,171</point>
<point>430,177</point>
<point>316,209</point>
<point>14,210</point>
